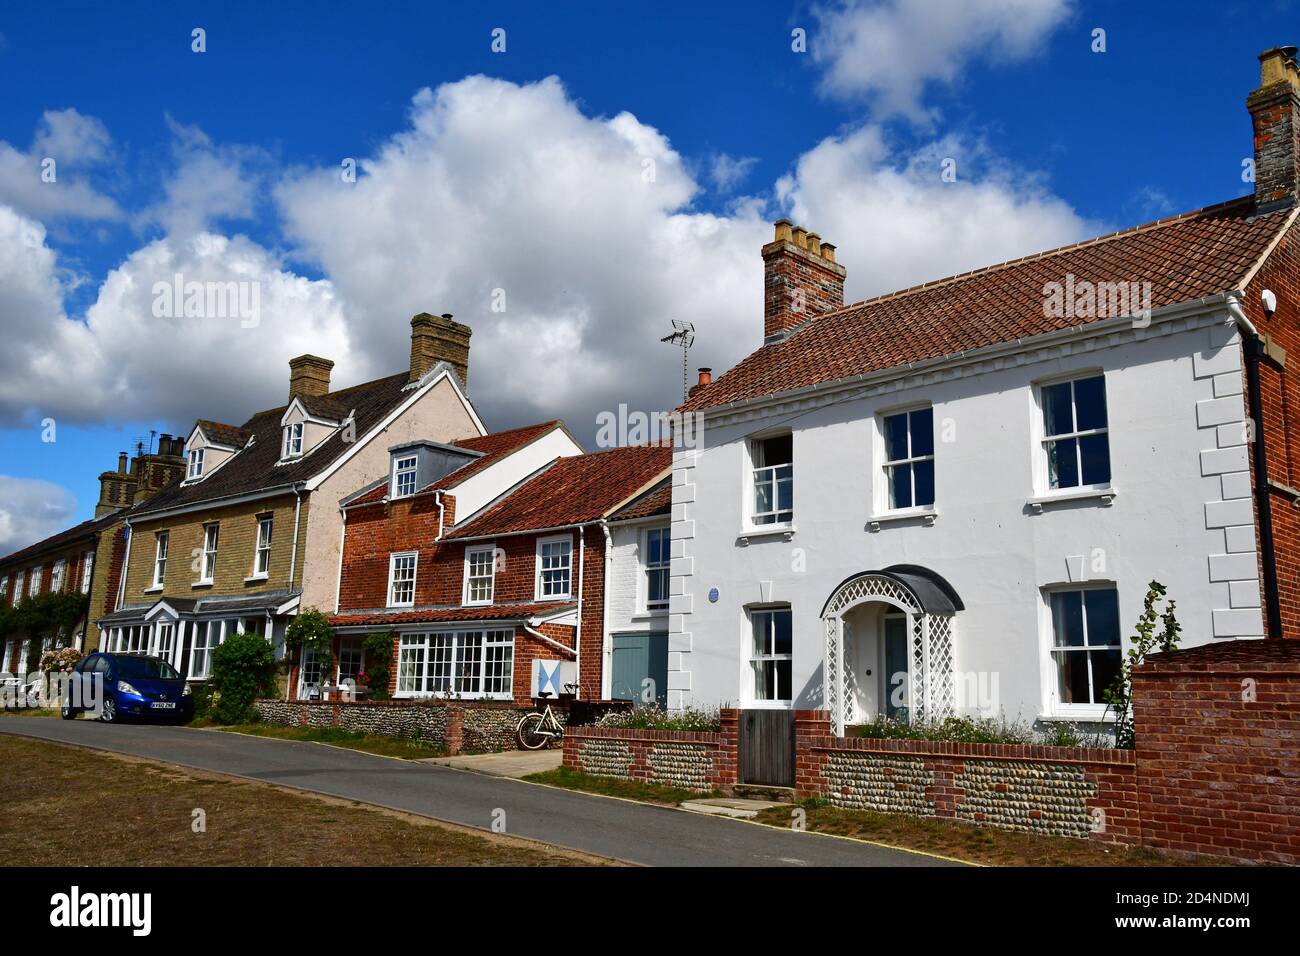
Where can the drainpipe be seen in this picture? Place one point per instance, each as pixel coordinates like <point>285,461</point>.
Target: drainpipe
<point>126,566</point>
<point>1253,347</point>
<point>293,555</point>
<point>548,640</point>
<point>437,496</point>
<point>338,579</point>
<point>607,639</point>
<point>577,633</point>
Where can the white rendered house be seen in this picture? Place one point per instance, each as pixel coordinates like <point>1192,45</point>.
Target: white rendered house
<point>951,499</point>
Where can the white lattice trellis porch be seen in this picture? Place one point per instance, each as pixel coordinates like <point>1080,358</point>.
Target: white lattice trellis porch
<point>930,650</point>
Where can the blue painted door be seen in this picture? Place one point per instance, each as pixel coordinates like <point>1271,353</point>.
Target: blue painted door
<point>638,659</point>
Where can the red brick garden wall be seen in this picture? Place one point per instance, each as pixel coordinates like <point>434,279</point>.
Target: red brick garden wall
<point>1218,758</point>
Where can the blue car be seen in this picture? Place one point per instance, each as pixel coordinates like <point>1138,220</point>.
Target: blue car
<point>147,688</point>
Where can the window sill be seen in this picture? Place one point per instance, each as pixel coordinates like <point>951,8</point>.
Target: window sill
<point>200,584</point>
<point>546,598</point>
<point>476,604</point>
<point>1103,496</point>
<point>926,515</point>
<point>650,615</point>
<point>769,705</point>
<point>156,589</point>
<point>765,531</point>
<point>1085,715</point>
<point>255,577</point>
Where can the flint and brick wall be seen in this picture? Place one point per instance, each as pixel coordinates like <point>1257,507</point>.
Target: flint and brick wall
<point>456,727</point>
<point>1060,791</point>
<point>688,760</point>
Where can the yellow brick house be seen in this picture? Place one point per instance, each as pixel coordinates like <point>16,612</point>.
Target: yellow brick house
<point>252,533</point>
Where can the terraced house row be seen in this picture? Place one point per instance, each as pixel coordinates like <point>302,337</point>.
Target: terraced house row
<point>945,499</point>
<point>389,506</point>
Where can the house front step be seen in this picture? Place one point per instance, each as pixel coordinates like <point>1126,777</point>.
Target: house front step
<point>755,791</point>
<point>729,807</point>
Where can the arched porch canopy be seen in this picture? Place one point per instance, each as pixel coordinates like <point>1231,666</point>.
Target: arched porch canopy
<point>930,604</point>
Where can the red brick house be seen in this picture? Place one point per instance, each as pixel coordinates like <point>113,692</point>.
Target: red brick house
<point>479,557</point>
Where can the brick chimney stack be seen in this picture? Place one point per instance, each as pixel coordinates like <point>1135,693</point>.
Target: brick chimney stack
<point>1275,113</point>
<point>309,375</point>
<point>801,279</point>
<point>436,338</point>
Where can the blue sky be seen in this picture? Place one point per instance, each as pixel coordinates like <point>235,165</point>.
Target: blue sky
<point>227,160</point>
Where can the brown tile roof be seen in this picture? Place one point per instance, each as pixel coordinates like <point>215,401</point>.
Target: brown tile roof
<point>1240,655</point>
<point>493,446</point>
<point>1186,257</point>
<point>450,615</point>
<point>571,491</point>
<point>222,434</point>
<point>323,406</point>
<point>256,469</point>
<point>657,501</point>
<point>62,539</point>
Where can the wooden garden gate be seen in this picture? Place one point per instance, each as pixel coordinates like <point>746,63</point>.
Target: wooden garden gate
<point>767,747</point>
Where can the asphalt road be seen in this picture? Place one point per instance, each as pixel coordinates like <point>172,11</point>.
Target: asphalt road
<point>657,836</point>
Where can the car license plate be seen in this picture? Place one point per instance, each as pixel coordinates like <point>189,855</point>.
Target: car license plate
<point>163,705</point>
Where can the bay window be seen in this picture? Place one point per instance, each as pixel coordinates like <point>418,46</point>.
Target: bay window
<point>469,664</point>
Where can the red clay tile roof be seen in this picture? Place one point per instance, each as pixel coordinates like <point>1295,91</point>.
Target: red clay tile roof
<point>450,615</point>
<point>494,447</point>
<point>571,491</point>
<point>1241,655</point>
<point>657,501</point>
<point>1200,253</point>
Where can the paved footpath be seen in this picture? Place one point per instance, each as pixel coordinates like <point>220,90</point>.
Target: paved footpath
<point>639,833</point>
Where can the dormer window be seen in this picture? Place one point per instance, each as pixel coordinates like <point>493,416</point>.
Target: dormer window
<point>196,463</point>
<point>404,470</point>
<point>293,440</point>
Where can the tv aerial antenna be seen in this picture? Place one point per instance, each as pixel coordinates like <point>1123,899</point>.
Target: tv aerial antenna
<point>683,334</point>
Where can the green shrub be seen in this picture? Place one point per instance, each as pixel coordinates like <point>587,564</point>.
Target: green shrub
<point>980,730</point>
<point>379,658</point>
<point>202,700</point>
<point>243,669</point>
<point>656,718</point>
<point>1119,695</point>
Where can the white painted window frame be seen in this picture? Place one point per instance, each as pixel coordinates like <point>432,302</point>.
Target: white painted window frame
<point>87,569</point>
<point>194,468</point>
<point>34,581</point>
<point>392,580</point>
<point>770,473</point>
<point>422,645</point>
<point>538,579</point>
<point>1042,477</point>
<point>881,504</point>
<point>58,575</point>
<point>211,545</point>
<point>162,544</point>
<point>262,547</point>
<point>477,551</point>
<point>753,658</point>
<point>18,587</point>
<point>1053,707</point>
<point>404,467</point>
<point>293,439</point>
<point>645,567</point>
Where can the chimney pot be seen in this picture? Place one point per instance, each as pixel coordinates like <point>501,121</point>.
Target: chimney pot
<point>801,279</point>
<point>121,462</point>
<point>783,227</point>
<point>309,375</point>
<point>705,380</point>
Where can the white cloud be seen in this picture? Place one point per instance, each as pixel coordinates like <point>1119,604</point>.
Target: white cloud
<point>74,143</point>
<point>728,172</point>
<point>208,183</point>
<point>897,222</point>
<point>888,50</point>
<point>30,510</point>
<point>585,223</point>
